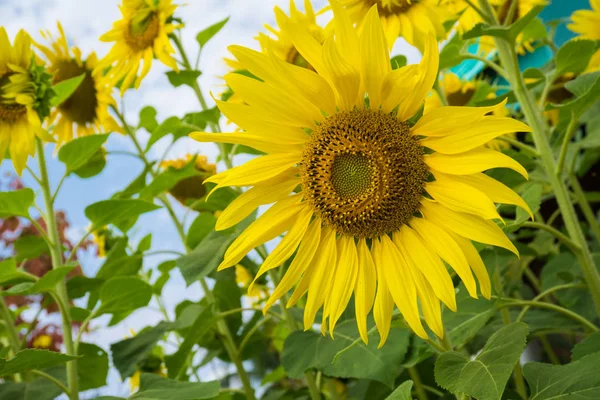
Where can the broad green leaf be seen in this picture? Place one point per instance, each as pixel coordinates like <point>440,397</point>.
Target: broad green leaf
<point>586,88</point>
<point>183,77</point>
<point>169,125</point>
<point>472,315</point>
<point>398,61</point>
<point>522,23</point>
<point>577,380</point>
<point>30,247</point>
<point>574,56</point>
<point>206,257</point>
<point>148,119</point>
<point>28,359</point>
<point>167,179</point>
<point>118,262</point>
<point>38,389</point>
<point>402,392</point>
<point>9,274</point>
<point>79,285</point>
<point>78,152</point>
<point>203,118</point>
<point>206,34</point>
<point>64,89</point>
<point>228,295</point>
<point>92,367</point>
<point>127,353</point>
<point>589,345</point>
<point>45,284</point>
<point>155,387</point>
<point>306,350</point>
<point>137,184</point>
<point>482,29</point>
<point>79,314</point>
<point>533,198</point>
<point>484,377</point>
<point>116,211</point>
<point>126,293</point>
<point>93,166</point>
<point>16,203</point>
<point>202,226</point>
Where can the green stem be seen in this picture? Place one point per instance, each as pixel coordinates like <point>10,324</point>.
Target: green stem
<point>573,125</point>
<point>556,233</point>
<point>546,293</point>
<point>53,380</point>
<point>533,116</point>
<point>13,335</point>
<point>522,146</point>
<point>416,378</point>
<point>564,311</point>
<point>56,255</point>
<point>584,205</point>
<point>487,62</point>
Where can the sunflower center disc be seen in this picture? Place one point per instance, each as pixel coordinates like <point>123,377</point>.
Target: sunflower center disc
<point>80,107</point>
<point>142,31</point>
<point>364,173</point>
<point>393,7</point>
<point>9,113</point>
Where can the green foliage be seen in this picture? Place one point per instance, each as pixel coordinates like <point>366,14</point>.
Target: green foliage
<point>30,247</point>
<point>92,367</point>
<point>45,284</point>
<point>154,387</point>
<point>16,203</point>
<point>402,392</point>
<point>208,33</point>
<point>121,213</point>
<point>485,377</point>
<point>185,77</point>
<point>9,274</point>
<point>28,359</point>
<point>64,89</point>
<point>122,294</point>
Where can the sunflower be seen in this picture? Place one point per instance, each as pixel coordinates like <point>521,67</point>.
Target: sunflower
<point>587,24</point>
<point>141,34</point>
<point>460,93</point>
<point>85,112</point>
<point>414,20</point>
<point>356,185</point>
<point>192,187</point>
<point>19,120</point>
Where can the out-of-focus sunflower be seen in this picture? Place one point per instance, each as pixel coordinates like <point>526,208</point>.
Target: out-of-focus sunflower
<point>85,112</point>
<point>104,239</point>
<point>351,183</point>
<point>459,93</point>
<point>19,120</point>
<point>191,188</point>
<point>414,20</point>
<point>244,278</point>
<point>587,24</point>
<point>140,35</point>
<point>153,364</point>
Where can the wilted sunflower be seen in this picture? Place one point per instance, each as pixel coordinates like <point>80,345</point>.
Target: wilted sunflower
<point>86,111</point>
<point>191,188</point>
<point>414,20</point>
<point>356,185</point>
<point>462,93</point>
<point>19,121</point>
<point>140,36</point>
<point>587,24</point>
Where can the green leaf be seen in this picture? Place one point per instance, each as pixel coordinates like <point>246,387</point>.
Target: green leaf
<point>398,61</point>
<point>183,77</point>
<point>577,380</point>
<point>522,23</point>
<point>45,284</point>
<point>402,392</point>
<point>126,293</point>
<point>28,359</point>
<point>206,257</point>
<point>30,247</point>
<point>200,228</point>
<point>472,315</point>
<point>94,165</point>
<point>155,387</point>
<point>205,35</point>
<point>485,377</point>
<point>117,212</point>
<point>92,367</point>
<point>592,139</point>
<point>9,274</point>
<point>589,345</point>
<point>169,178</point>
<point>79,285</point>
<point>202,118</point>
<point>79,314</point>
<point>38,389</point>
<point>145,244</point>
<point>148,119</point>
<point>64,89</point>
<point>169,125</point>
<point>586,88</point>
<point>482,29</point>
<point>127,353</point>
<point>78,152</point>
<point>118,262</point>
<point>533,198</point>
<point>305,350</point>
<point>16,203</point>
<point>574,56</point>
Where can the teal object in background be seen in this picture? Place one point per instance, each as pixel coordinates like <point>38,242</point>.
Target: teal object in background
<point>557,9</point>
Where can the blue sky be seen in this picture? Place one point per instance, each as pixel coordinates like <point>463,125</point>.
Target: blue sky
<point>84,21</point>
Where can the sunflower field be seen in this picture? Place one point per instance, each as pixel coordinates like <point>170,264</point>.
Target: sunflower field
<point>380,199</point>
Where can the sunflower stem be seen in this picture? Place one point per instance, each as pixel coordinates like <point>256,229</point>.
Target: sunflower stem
<point>487,62</point>
<point>552,307</point>
<point>533,115</point>
<point>13,335</point>
<point>416,378</point>
<point>53,380</point>
<point>573,125</point>
<point>547,292</point>
<point>61,297</point>
<point>584,205</point>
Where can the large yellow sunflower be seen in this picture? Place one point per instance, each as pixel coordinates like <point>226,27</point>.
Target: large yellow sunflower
<point>587,24</point>
<point>414,20</point>
<point>19,121</point>
<point>86,111</point>
<point>356,185</point>
<point>140,36</point>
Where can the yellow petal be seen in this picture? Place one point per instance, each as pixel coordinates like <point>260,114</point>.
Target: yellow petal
<point>384,303</point>
<point>473,161</point>
<point>346,37</point>
<point>467,225</point>
<point>476,264</point>
<point>425,260</point>
<point>364,291</point>
<point>398,85</point>
<point>275,144</point>
<point>375,58</point>
<point>301,261</point>
<point>306,44</point>
<point>344,280</point>
<point>343,76</point>
<point>276,220</point>
<point>430,304</point>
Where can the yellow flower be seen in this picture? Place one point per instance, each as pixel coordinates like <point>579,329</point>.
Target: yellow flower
<point>85,112</point>
<point>42,342</point>
<point>244,279</point>
<point>351,183</point>
<point>414,20</point>
<point>140,35</point>
<point>460,93</point>
<point>192,188</point>
<point>587,24</point>
<point>19,121</point>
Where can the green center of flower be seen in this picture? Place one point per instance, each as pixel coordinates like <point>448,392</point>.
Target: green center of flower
<point>143,30</point>
<point>80,107</point>
<point>10,111</point>
<point>363,173</point>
